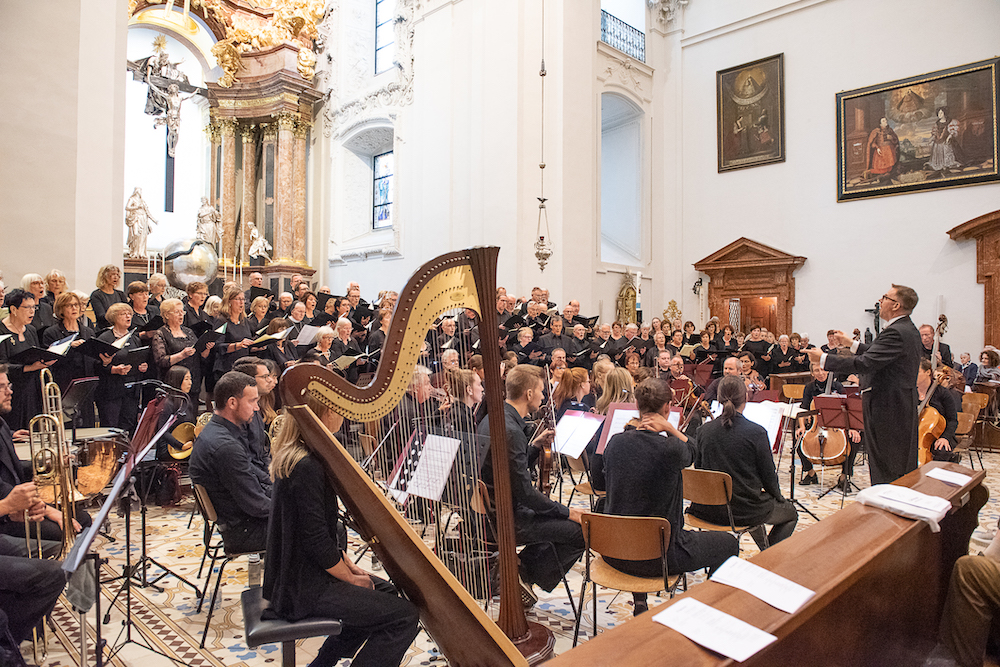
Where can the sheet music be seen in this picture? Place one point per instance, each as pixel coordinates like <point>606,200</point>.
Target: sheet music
<point>307,335</point>
<point>616,423</point>
<point>424,468</point>
<point>713,629</point>
<point>574,431</point>
<point>907,503</point>
<point>950,477</point>
<point>766,413</point>
<point>777,591</point>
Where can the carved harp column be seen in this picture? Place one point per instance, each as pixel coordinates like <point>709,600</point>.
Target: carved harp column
<point>299,191</point>
<point>283,225</point>
<point>249,214</point>
<point>228,204</point>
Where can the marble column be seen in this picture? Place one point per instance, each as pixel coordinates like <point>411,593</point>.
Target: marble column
<point>215,137</point>
<point>299,192</point>
<point>228,204</point>
<point>283,225</point>
<point>269,139</point>
<point>249,215</point>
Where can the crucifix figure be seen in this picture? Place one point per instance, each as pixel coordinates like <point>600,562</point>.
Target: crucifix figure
<point>172,119</point>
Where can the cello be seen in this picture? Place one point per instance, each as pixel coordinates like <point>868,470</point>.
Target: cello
<point>825,446</point>
<point>932,423</point>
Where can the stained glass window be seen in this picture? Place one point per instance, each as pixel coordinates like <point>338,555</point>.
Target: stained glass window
<point>382,169</point>
<point>385,35</point>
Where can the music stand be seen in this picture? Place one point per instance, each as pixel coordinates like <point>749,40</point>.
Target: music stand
<point>81,547</point>
<point>78,394</point>
<point>841,412</point>
<point>795,448</point>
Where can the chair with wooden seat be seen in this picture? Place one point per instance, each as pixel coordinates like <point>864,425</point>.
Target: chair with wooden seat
<point>974,403</point>
<point>792,393</point>
<point>204,504</point>
<point>964,437</point>
<point>636,538</point>
<point>585,484</point>
<point>711,487</point>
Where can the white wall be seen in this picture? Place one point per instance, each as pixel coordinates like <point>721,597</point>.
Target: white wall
<point>854,249</point>
<point>61,137</point>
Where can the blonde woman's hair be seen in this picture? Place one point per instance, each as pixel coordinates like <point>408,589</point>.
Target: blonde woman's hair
<point>102,275</point>
<point>288,449</point>
<point>230,293</point>
<point>213,305</point>
<point>617,389</point>
<point>170,305</point>
<point>601,369</point>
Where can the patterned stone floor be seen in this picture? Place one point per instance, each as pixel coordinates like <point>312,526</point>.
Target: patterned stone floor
<point>169,622</point>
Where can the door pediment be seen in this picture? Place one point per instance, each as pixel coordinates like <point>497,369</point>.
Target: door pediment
<point>747,253</point>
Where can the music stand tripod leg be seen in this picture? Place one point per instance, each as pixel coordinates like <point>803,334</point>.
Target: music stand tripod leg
<point>791,494</point>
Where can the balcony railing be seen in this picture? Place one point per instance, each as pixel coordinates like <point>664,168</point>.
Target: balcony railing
<point>623,37</point>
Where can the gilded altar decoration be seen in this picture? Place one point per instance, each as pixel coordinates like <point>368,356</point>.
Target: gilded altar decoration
<point>625,303</point>
<point>672,312</point>
<point>307,64</point>
<point>230,60</point>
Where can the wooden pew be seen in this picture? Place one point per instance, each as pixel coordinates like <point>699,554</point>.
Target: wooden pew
<point>880,583</point>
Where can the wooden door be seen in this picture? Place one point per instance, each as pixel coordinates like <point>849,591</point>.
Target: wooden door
<point>759,311</point>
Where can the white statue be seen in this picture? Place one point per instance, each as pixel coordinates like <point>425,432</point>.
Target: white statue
<point>172,119</point>
<point>209,223</point>
<point>139,220</point>
<point>259,247</point>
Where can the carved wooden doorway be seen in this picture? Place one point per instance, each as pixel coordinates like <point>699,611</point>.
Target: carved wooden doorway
<point>759,277</point>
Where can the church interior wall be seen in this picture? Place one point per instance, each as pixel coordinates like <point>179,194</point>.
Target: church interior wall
<point>854,249</point>
<point>62,136</point>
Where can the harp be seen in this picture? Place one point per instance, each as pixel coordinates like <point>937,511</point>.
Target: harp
<point>464,632</point>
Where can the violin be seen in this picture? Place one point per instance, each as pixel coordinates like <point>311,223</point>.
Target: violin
<point>932,423</point>
<point>702,408</point>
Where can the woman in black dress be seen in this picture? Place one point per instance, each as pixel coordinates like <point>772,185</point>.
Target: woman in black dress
<point>258,314</point>
<point>281,352</point>
<point>174,345</point>
<point>35,285</point>
<point>157,284</point>
<point>68,308</point>
<point>117,405</point>
<point>24,380</point>
<point>706,352</point>
<point>783,356</point>
<point>237,337</point>
<point>324,341</point>
<point>691,336</point>
<point>142,312</point>
<point>306,574</point>
<point>343,344</point>
<point>106,294</point>
<point>194,312</point>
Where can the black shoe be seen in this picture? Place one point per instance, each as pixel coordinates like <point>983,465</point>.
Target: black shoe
<point>844,484</point>
<point>808,479</point>
<point>956,457</point>
<point>528,595</point>
<point>640,608</point>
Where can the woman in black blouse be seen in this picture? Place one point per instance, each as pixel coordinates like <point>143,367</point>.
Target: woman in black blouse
<point>74,365</point>
<point>258,314</point>
<point>106,294</point>
<point>238,336</point>
<point>174,345</point>
<point>142,312</point>
<point>343,344</point>
<point>306,574</point>
<point>783,356</point>
<point>117,405</point>
<point>706,351</point>
<point>691,337</point>
<point>281,352</point>
<point>157,284</point>
<point>24,380</point>
<point>194,312</point>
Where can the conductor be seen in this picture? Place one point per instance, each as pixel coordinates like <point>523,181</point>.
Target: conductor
<point>888,372</point>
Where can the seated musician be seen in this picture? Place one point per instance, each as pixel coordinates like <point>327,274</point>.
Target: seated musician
<point>255,430</point>
<point>14,473</point>
<point>307,573</point>
<point>735,445</point>
<point>223,463</point>
<point>731,366</point>
<point>642,470</point>
<point>751,378</point>
<point>570,392</point>
<point>927,340</point>
<point>29,587</point>
<point>812,390</point>
<point>942,400</point>
<point>550,530</point>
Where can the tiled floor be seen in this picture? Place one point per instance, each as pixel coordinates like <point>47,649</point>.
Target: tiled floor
<point>173,625</point>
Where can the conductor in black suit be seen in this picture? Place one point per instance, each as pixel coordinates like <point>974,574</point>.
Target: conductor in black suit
<point>888,372</point>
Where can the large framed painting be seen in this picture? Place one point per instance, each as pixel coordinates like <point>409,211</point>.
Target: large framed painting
<point>751,113</point>
<point>932,131</point>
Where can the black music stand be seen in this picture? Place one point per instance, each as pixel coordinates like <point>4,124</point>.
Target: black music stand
<point>81,549</point>
<point>795,448</point>
<point>79,393</point>
<point>841,412</point>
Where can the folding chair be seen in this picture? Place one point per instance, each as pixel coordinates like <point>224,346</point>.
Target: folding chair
<point>636,538</point>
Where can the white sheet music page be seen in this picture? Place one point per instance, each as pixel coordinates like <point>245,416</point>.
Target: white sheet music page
<point>715,630</point>
<point>950,477</point>
<point>574,431</point>
<point>777,591</point>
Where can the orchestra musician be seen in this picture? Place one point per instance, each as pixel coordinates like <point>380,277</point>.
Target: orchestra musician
<point>888,369</point>
<point>811,391</point>
<point>570,392</point>
<point>751,378</point>
<point>942,400</point>
<point>642,469</point>
<point>307,572</point>
<point>927,342</point>
<point>731,366</point>
<point>538,521</point>
<point>734,445</point>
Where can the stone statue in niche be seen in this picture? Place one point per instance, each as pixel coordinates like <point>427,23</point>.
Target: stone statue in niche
<point>139,221</point>
<point>209,223</point>
<point>259,247</point>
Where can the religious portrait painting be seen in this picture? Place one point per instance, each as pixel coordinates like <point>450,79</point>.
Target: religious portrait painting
<point>751,113</point>
<point>932,131</point>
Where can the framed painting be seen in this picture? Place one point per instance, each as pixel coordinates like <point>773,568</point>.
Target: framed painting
<point>751,113</point>
<point>932,131</point>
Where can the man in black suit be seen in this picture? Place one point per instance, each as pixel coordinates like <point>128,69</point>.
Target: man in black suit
<point>927,340</point>
<point>888,371</point>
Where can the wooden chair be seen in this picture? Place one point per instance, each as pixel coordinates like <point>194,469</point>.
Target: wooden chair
<point>210,517</point>
<point>974,403</point>
<point>964,437</point>
<point>711,487</point>
<point>584,487</point>
<point>792,393</point>
<point>625,538</point>
<point>765,395</point>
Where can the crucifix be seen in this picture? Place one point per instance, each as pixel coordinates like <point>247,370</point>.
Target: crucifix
<point>163,101</point>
